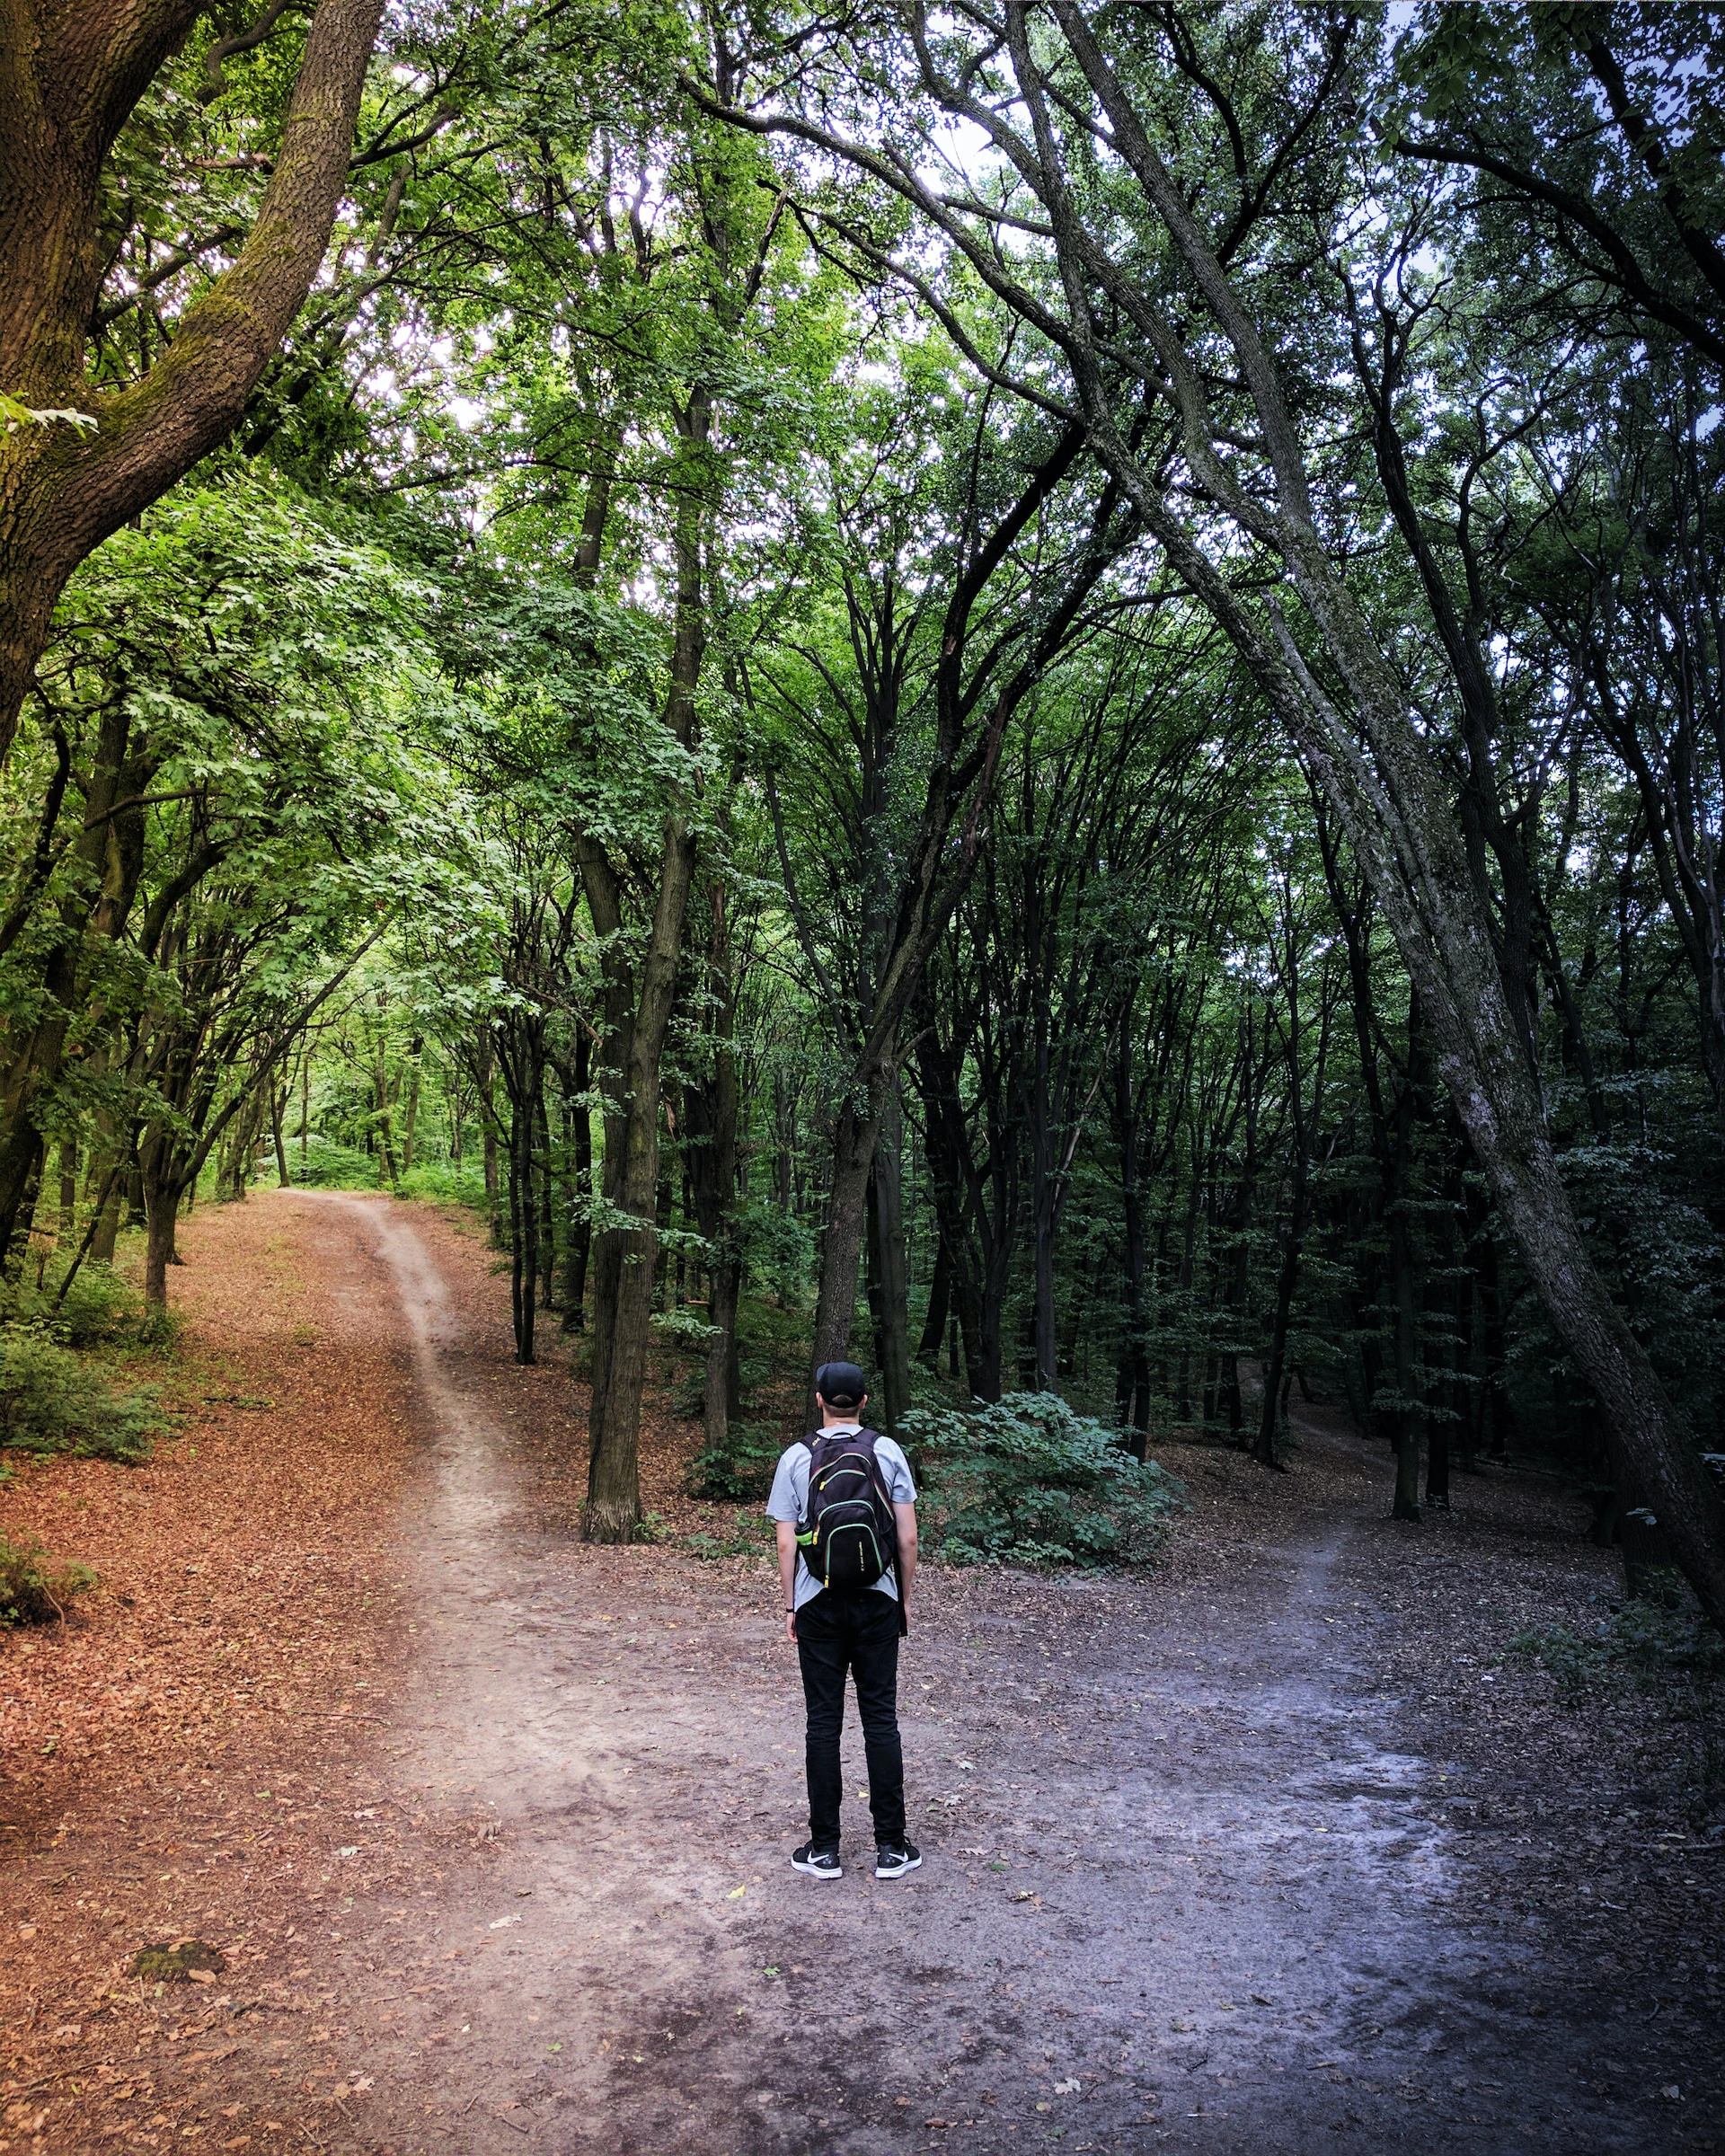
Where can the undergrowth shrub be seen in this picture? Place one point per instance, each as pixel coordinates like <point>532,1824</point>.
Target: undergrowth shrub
<point>99,1309</point>
<point>750,1537</point>
<point>328,1165</point>
<point>53,1401</point>
<point>34,1587</point>
<point>441,1183</point>
<point>1023,1480</point>
<point>739,1471</point>
<point>1640,1639</point>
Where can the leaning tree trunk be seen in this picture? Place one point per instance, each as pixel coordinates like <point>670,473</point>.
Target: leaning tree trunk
<point>1357,736</point>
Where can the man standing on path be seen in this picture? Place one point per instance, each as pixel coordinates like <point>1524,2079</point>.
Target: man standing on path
<point>846,1562</point>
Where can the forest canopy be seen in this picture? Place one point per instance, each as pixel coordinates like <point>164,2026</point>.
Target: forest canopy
<point>1040,686</point>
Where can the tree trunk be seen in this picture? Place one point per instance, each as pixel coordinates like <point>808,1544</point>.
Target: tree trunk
<point>1273,1417</point>
<point>63,491</point>
<point>106,1234</point>
<point>725,1274</point>
<point>484,1082</point>
<point>1046,1375</point>
<point>548,1184</point>
<point>162,1205</point>
<point>855,1135</point>
<point>614,1476</point>
<point>579,1236</point>
<point>889,1224</point>
<point>68,1226</point>
<point>415,1054</point>
<point>385,1125</point>
<point>1133,1387</point>
<point>277,1108</point>
<point>928,1346</point>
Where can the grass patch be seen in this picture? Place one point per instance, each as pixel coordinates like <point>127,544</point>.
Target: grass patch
<point>34,1587</point>
<point>1024,1480</point>
<point>101,1309</point>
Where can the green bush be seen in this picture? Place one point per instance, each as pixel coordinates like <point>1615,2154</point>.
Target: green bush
<point>441,1183</point>
<point>34,1588</point>
<point>328,1165</point>
<point>1640,1639</point>
<point>751,1537</point>
<point>50,1401</point>
<point>101,1308</point>
<point>739,1471</point>
<point>1025,1481</point>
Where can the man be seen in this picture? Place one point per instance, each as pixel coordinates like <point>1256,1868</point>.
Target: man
<point>856,1627</point>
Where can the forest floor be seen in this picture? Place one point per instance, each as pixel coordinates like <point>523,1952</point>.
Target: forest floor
<point>1263,1851</point>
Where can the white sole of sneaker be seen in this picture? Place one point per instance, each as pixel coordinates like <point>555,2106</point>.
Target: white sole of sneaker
<point>897,1872</point>
<point>817,1871</point>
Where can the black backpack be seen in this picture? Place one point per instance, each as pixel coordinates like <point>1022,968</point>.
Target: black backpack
<point>850,1535</point>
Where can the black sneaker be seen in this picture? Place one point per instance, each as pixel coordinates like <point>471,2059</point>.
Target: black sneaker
<point>893,1859</point>
<point>819,1863</point>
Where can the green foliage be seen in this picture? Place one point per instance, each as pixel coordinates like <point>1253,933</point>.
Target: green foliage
<point>1024,1480</point>
<point>101,1308</point>
<point>749,1537</point>
<point>34,1587</point>
<point>739,1471</point>
<point>687,1328</point>
<point>51,1400</point>
<point>442,1183</point>
<point>1642,1639</point>
<point>327,1164</point>
<point>778,1249</point>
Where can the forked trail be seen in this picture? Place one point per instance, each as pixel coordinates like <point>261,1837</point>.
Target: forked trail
<point>1183,1887</point>
<point>1191,1883</point>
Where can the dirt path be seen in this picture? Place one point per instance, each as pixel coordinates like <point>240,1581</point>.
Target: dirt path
<point>1191,1886</point>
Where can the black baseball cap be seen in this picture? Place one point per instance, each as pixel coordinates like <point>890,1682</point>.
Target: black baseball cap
<point>841,1384</point>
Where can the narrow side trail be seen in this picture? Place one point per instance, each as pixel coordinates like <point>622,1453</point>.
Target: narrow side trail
<point>1196,1876</point>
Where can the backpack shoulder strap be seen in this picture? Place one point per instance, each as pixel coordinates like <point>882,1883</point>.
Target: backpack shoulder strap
<point>866,1440</point>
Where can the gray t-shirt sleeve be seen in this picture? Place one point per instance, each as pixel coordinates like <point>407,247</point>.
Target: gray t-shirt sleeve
<point>895,1471</point>
<point>789,1497</point>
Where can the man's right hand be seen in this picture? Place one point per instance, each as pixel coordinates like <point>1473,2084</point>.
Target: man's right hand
<point>791,1626</point>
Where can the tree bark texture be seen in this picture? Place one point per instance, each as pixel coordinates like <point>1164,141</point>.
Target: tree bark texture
<point>893,1345</point>
<point>69,78</point>
<point>613,1510</point>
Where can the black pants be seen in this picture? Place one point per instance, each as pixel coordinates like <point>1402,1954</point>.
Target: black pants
<point>859,1632</point>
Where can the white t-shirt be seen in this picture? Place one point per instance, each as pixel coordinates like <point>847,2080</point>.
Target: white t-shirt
<point>788,1499</point>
